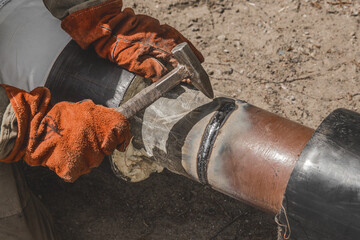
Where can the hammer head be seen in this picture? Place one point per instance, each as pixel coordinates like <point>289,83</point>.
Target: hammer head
<point>197,74</point>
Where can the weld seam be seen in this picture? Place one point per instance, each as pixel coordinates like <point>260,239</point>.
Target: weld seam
<point>209,137</point>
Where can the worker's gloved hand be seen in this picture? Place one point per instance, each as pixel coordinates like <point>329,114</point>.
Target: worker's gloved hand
<point>69,138</point>
<point>137,43</point>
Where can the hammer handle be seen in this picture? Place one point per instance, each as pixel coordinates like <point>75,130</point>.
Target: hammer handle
<point>152,93</point>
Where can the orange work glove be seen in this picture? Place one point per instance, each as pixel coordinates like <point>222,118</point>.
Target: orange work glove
<point>137,43</point>
<point>69,138</point>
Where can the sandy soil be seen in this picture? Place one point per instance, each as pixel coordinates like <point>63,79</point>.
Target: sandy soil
<point>299,59</point>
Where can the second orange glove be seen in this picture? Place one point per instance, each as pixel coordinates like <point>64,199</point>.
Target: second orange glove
<point>137,43</point>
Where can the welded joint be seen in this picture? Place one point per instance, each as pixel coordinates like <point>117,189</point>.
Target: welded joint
<point>209,138</point>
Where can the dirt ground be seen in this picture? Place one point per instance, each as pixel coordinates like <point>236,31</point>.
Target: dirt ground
<point>299,59</point>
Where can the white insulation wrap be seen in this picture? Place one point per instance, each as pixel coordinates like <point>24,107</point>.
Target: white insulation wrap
<point>30,41</point>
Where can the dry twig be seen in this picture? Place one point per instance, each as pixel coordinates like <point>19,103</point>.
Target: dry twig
<point>340,3</point>
<point>289,80</point>
<point>357,64</point>
<point>226,226</point>
<point>316,4</point>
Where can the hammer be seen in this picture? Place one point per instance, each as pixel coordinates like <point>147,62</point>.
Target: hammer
<point>189,67</point>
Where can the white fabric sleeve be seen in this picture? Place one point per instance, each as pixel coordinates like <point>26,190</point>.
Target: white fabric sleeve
<point>30,42</point>
<point>8,127</point>
<point>60,9</point>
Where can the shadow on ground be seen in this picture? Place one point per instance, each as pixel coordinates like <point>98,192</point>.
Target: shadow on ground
<point>165,206</point>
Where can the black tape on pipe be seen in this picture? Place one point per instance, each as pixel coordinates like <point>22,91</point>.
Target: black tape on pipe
<point>80,74</point>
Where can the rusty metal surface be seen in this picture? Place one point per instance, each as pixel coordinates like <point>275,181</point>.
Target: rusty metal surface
<point>254,156</point>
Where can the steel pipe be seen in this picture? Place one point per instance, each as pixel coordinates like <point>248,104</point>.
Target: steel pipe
<point>236,148</point>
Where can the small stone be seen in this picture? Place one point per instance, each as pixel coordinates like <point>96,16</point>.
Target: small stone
<point>221,10</point>
<point>237,44</point>
<point>229,72</point>
<point>221,38</point>
<point>295,60</point>
<point>353,35</point>
<point>355,13</point>
<point>226,51</point>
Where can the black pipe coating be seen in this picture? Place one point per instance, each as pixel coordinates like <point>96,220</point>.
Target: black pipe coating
<point>77,75</point>
<point>322,199</point>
